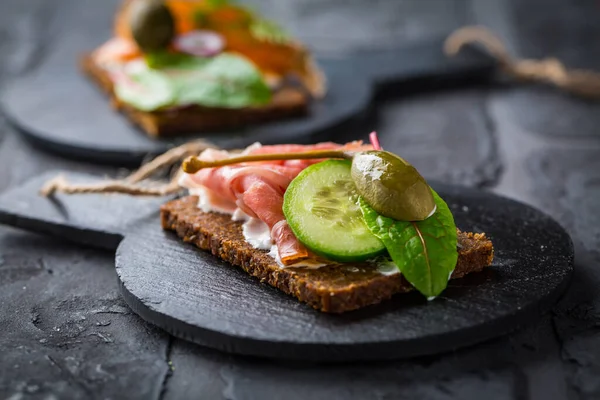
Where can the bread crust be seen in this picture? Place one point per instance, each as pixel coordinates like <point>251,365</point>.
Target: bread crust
<point>287,102</point>
<point>333,289</point>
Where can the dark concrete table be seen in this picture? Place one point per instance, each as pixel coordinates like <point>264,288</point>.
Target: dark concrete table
<point>66,333</point>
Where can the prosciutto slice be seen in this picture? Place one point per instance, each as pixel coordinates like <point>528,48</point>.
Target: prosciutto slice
<point>257,188</point>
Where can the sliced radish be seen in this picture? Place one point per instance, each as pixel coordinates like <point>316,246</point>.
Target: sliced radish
<point>200,43</point>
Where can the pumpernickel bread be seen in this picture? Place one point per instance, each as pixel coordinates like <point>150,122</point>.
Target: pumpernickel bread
<point>333,289</point>
<point>287,102</point>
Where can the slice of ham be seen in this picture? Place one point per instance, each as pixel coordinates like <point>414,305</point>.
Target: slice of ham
<point>289,248</point>
<point>257,188</point>
<point>266,202</point>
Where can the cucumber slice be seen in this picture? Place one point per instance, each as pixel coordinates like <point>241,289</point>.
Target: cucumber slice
<point>320,207</point>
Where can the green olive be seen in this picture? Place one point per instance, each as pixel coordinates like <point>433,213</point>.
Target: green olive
<point>392,186</point>
<point>152,24</point>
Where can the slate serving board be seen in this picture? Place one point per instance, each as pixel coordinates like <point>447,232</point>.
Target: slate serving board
<point>192,295</point>
<point>58,109</point>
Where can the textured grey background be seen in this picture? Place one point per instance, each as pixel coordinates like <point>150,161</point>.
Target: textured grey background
<point>65,333</point>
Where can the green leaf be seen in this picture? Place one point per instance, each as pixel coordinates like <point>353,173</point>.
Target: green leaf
<point>146,90</point>
<point>167,59</point>
<point>226,81</point>
<point>424,251</point>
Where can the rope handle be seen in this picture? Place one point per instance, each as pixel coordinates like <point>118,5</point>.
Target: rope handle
<point>579,82</point>
<point>138,183</point>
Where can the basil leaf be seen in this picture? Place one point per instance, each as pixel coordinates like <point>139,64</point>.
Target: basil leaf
<point>424,251</point>
<point>227,80</point>
<point>146,90</point>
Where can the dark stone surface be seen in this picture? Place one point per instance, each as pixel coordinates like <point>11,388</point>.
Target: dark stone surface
<point>523,365</point>
<point>421,127</point>
<point>577,318</point>
<point>558,114</point>
<point>551,146</point>
<point>547,29</point>
<point>556,358</point>
<point>342,26</point>
<point>579,195</point>
<point>67,336</point>
<point>577,323</point>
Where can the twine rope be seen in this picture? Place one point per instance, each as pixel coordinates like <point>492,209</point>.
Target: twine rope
<point>579,82</point>
<point>138,183</point>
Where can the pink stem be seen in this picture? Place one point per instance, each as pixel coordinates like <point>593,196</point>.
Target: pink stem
<point>375,141</point>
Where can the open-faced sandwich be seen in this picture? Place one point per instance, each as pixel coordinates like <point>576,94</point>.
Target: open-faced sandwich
<point>339,227</point>
<point>185,66</point>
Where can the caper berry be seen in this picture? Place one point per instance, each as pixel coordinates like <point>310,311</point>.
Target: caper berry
<point>152,24</point>
<point>392,186</point>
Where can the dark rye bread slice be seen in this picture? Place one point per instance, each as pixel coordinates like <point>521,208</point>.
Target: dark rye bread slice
<point>286,102</point>
<point>333,289</point>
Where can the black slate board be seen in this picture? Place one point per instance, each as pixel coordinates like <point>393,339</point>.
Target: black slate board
<point>70,117</point>
<point>196,297</point>
<point>95,220</point>
<point>58,109</point>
